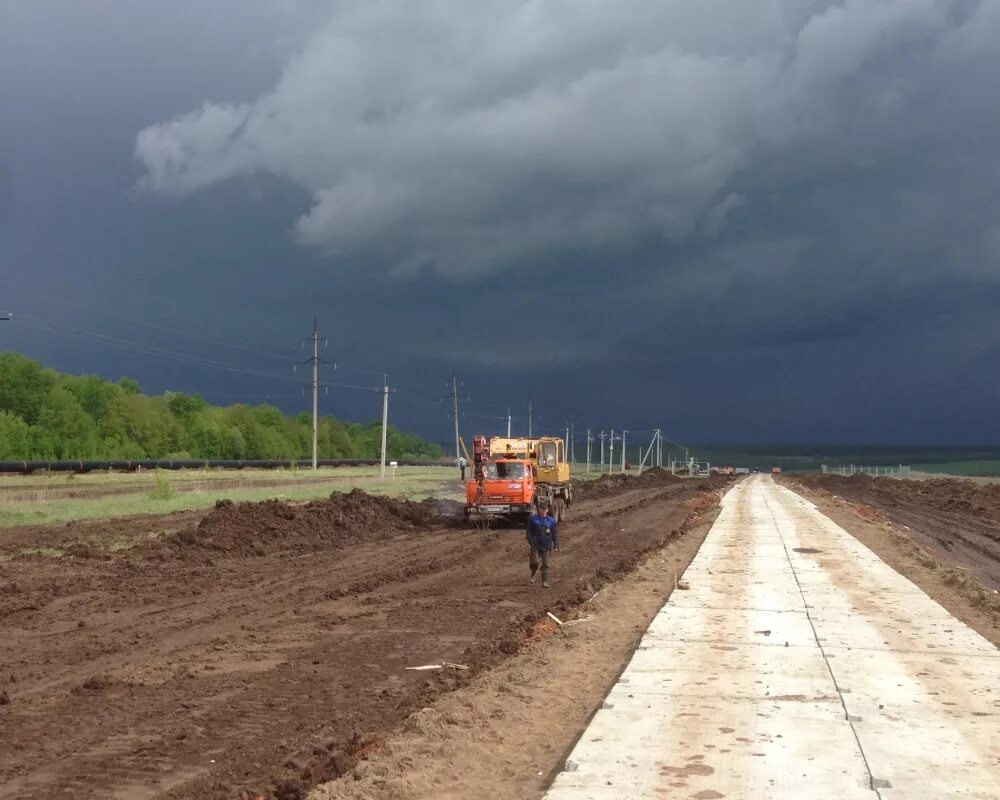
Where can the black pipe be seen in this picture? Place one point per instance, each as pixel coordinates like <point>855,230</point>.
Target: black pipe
<point>28,467</point>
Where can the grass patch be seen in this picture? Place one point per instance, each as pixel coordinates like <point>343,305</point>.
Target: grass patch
<point>51,552</point>
<point>962,468</point>
<point>162,490</point>
<point>44,480</point>
<point>120,543</point>
<point>418,485</point>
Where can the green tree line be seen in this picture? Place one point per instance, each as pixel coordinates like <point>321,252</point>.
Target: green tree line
<point>46,414</point>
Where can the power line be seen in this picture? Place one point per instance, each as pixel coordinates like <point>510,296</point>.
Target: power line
<point>338,368</point>
<point>133,346</point>
<point>148,350</point>
<point>152,350</point>
<point>248,396</point>
<point>151,325</point>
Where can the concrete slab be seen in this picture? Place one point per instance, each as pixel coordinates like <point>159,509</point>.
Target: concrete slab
<point>712,747</point>
<point>919,634</point>
<point>753,672</point>
<point>733,626</point>
<point>796,665</point>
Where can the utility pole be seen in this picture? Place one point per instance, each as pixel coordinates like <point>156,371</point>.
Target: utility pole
<point>385,420</point>
<point>601,437</point>
<point>623,450</point>
<point>454,412</point>
<point>508,423</point>
<point>315,362</point>
<point>588,451</point>
<point>611,452</point>
<point>572,442</point>
<point>530,406</point>
<point>566,445</point>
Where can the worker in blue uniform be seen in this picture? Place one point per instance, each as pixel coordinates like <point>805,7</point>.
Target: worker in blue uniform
<point>543,537</point>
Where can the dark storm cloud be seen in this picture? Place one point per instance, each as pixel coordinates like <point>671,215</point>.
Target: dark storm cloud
<point>475,137</point>
<point>752,220</point>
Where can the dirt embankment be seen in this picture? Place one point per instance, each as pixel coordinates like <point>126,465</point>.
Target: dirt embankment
<point>608,485</point>
<point>959,520</point>
<point>265,649</point>
<point>944,535</point>
<point>273,525</point>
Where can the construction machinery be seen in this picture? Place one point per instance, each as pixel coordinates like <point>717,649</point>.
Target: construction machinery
<point>511,474</point>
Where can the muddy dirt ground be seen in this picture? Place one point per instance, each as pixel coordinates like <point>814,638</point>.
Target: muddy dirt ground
<point>958,520</point>
<point>263,649</point>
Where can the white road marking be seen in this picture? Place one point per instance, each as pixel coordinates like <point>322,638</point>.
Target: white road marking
<point>797,665</point>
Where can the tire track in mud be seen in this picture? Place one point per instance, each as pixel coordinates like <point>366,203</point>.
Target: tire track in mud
<point>238,676</point>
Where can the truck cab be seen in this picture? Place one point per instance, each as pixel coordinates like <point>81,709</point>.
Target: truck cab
<point>507,490</point>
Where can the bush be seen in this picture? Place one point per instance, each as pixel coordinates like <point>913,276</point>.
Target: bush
<point>162,490</point>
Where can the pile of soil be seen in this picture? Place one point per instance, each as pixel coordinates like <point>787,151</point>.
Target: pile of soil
<point>273,525</point>
<point>942,494</point>
<point>607,485</point>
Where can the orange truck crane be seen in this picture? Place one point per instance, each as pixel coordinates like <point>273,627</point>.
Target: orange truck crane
<point>509,475</point>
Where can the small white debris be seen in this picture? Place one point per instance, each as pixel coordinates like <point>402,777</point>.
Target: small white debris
<point>555,619</point>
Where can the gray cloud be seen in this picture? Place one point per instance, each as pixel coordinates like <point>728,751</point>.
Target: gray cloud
<point>475,137</point>
<point>741,219</point>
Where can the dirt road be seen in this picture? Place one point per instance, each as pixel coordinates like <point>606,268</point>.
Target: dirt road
<point>959,520</point>
<point>264,649</point>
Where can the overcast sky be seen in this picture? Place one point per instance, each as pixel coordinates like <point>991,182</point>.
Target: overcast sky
<point>739,220</point>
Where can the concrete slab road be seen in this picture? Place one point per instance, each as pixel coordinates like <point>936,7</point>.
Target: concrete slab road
<point>797,665</point>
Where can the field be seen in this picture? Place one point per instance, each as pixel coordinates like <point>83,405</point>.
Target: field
<point>962,461</point>
<point>61,497</point>
<point>969,469</point>
<point>259,649</point>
